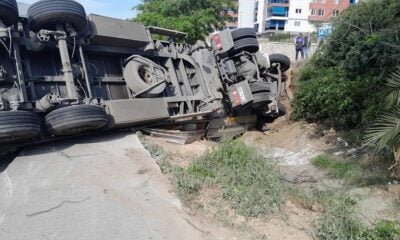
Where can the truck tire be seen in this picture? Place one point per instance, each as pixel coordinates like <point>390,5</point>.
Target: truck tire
<point>260,97</point>
<point>259,86</point>
<point>47,14</point>
<point>241,33</point>
<point>76,119</point>
<point>282,59</point>
<point>17,126</point>
<point>9,12</point>
<point>245,44</point>
<point>137,77</point>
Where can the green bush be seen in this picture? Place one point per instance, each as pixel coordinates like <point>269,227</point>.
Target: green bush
<point>246,179</point>
<point>343,84</point>
<point>281,37</point>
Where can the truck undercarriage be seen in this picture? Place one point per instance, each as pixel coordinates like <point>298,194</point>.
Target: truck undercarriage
<point>63,73</point>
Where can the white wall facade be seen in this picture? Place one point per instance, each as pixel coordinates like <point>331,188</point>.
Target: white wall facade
<point>261,14</point>
<point>246,13</point>
<point>299,11</point>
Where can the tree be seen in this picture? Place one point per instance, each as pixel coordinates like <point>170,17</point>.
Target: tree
<point>384,134</point>
<point>196,17</point>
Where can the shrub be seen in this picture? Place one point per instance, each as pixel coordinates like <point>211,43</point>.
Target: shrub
<point>343,83</point>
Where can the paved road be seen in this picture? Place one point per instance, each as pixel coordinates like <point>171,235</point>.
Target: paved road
<point>93,188</point>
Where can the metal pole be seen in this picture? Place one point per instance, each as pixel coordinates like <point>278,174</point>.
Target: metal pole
<point>20,75</point>
<point>87,80</point>
<point>67,69</point>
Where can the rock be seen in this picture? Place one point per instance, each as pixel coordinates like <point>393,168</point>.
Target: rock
<point>352,151</point>
<point>332,131</point>
<point>338,153</point>
<point>317,207</point>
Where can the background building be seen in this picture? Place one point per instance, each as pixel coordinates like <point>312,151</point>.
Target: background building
<point>234,23</point>
<point>298,17</point>
<point>289,15</point>
<point>277,13</point>
<point>246,11</point>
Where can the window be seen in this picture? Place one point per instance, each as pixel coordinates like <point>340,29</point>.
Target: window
<point>297,23</point>
<point>335,13</point>
<point>313,12</point>
<point>298,10</point>
<point>338,2</point>
<point>321,12</point>
<point>322,1</point>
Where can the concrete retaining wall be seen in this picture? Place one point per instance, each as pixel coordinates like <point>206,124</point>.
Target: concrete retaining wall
<point>282,47</point>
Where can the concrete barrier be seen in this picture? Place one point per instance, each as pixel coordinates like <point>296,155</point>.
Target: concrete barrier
<point>286,48</point>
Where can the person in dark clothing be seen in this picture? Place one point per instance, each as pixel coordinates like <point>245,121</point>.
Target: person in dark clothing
<point>299,43</point>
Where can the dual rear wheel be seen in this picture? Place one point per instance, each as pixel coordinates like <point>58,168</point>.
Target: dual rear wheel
<point>19,126</point>
<point>46,14</point>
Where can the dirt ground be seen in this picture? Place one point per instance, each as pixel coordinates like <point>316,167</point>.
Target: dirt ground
<point>292,145</point>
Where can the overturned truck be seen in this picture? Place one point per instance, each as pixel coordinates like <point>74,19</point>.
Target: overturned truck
<point>64,73</point>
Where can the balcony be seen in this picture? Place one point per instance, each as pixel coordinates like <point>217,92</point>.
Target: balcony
<point>279,3</point>
<point>278,12</point>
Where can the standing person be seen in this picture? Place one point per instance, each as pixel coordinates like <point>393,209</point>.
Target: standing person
<point>299,43</point>
<point>307,45</point>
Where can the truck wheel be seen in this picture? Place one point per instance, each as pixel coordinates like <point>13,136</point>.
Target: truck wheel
<point>47,14</point>
<point>259,98</point>
<point>137,74</point>
<point>9,12</point>
<point>245,44</point>
<point>17,126</point>
<point>241,33</point>
<point>282,59</point>
<point>76,119</point>
<point>259,86</point>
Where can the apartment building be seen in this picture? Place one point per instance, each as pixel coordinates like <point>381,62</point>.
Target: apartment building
<point>277,14</point>
<point>246,12</point>
<point>324,10</point>
<point>298,21</point>
<point>234,22</point>
<point>289,15</point>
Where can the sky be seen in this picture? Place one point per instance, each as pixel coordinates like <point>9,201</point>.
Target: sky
<point>111,8</point>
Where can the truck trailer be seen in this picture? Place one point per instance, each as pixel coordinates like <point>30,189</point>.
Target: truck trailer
<point>63,73</point>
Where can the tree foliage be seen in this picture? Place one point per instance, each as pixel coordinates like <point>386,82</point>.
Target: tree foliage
<point>196,17</point>
<point>344,82</point>
<point>384,134</point>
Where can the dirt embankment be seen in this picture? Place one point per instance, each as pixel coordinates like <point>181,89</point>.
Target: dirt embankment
<point>292,145</point>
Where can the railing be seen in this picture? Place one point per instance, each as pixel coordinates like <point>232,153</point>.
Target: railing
<point>278,1</point>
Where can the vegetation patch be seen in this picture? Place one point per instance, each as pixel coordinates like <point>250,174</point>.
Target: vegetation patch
<point>351,171</point>
<point>281,37</point>
<point>340,222</point>
<point>247,180</point>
